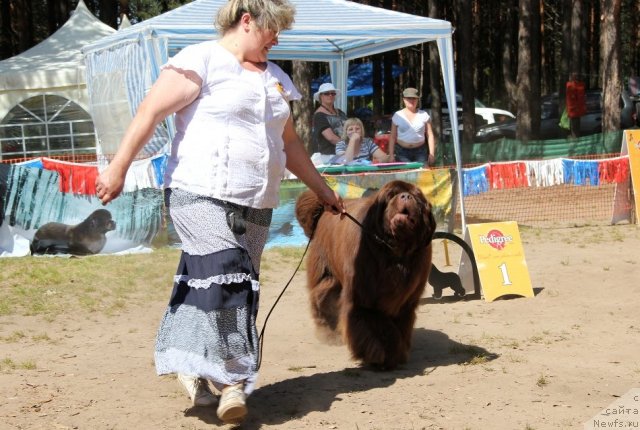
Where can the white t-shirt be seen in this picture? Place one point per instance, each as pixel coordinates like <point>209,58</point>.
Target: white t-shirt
<point>411,131</point>
<point>228,143</point>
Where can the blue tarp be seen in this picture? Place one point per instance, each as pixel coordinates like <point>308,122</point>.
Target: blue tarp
<point>360,79</point>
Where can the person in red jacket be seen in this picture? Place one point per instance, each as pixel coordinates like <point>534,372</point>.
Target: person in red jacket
<point>576,103</point>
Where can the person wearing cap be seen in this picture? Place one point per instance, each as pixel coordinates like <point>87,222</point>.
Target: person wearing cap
<point>412,137</point>
<point>327,121</point>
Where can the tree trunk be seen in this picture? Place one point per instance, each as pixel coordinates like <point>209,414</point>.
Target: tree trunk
<point>610,65</point>
<point>576,54</point>
<point>525,63</point>
<point>5,30</point>
<point>434,77</point>
<point>536,65</point>
<point>509,47</point>
<point>109,13</point>
<point>302,109</point>
<point>23,24</point>
<point>390,100</point>
<point>466,66</point>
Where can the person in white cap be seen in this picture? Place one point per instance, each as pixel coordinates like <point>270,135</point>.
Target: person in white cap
<point>410,130</point>
<point>327,121</point>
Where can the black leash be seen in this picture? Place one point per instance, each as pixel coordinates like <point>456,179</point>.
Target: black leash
<point>264,325</point>
<point>370,233</point>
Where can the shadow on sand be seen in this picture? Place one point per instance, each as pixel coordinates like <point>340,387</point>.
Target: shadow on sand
<point>294,398</point>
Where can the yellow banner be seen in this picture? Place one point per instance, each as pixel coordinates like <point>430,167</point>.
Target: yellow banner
<point>500,259</point>
<point>632,138</point>
<point>435,184</point>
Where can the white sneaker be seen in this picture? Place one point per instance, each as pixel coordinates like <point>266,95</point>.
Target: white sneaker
<point>198,390</point>
<point>232,407</point>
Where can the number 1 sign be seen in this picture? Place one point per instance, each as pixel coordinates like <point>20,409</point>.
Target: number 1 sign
<point>500,259</point>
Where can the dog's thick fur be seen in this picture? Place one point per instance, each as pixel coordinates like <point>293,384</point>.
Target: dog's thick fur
<point>365,292</point>
<point>86,238</point>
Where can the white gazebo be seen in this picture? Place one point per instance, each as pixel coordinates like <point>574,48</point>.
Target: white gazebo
<point>122,67</point>
<point>52,76</point>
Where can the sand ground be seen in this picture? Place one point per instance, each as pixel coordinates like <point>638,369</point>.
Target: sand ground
<point>549,362</point>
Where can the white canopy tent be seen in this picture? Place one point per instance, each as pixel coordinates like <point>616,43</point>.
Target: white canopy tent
<point>122,67</point>
<point>55,66</point>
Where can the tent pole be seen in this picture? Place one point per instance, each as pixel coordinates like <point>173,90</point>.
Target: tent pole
<point>339,70</point>
<point>445,49</point>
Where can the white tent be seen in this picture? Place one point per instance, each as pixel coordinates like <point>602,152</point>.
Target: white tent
<point>122,67</point>
<point>54,66</point>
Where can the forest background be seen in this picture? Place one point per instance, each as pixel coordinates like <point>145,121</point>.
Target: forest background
<point>507,53</point>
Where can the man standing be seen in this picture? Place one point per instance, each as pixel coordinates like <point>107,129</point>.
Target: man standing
<point>576,103</point>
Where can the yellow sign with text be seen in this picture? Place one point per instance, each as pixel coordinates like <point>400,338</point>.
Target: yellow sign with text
<point>500,259</point>
<point>633,146</point>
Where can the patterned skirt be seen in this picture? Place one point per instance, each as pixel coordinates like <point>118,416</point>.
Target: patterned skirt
<point>209,327</point>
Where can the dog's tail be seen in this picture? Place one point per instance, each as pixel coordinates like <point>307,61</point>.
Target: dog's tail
<point>308,211</point>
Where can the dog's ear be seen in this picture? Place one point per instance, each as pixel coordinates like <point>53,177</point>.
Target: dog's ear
<point>308,211</point>
<point>429,222</point>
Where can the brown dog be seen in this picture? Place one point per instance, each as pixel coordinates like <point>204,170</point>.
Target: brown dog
<point>85,238</point>
<point>365,282</point>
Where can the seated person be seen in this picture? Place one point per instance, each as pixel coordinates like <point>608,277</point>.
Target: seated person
<point>354,146</point>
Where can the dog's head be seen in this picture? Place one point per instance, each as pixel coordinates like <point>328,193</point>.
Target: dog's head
<point>402,215</point>
<point>101,221</point>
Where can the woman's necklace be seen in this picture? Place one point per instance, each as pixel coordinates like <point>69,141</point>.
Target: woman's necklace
<point>331,111</point>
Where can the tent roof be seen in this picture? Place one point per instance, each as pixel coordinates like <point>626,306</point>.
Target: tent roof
<point>324,30</point>
<point>56,61</point>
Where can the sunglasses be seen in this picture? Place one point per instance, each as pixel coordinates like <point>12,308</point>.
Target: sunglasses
<point>329,94</point>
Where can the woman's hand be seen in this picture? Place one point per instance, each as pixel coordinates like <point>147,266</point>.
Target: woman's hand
<point>431,160</point>
<point>109,185</point>
<point>332,201</point>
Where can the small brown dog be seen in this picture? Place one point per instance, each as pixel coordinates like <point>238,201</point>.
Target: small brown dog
<point>365,282</point>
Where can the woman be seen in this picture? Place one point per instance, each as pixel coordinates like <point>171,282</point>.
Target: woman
<point>234,137</point>
<point>328,122</point>
<point>354,146</point>
<point>410,128</point>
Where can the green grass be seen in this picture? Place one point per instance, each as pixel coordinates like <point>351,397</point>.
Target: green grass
<point>7,365</point>
<point>48,287</point>
<point>103,284</point>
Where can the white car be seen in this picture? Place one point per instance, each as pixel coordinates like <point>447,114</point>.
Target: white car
<point>483,115</point>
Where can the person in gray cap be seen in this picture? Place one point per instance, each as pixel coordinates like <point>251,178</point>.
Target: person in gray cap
<point>327,121</point>
<point>412,137</point>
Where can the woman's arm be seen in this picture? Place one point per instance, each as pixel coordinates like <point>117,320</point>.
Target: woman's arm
<point>328,134</point>
<point>173,90</point>
<point>393,136</point>
<point>379,156</point>
<point>299,164</point>
<point>431,141</point>
<point>353,147</point>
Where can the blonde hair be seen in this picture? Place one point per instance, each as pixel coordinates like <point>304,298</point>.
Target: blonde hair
<point>348,123</point>
<point>274,15</point>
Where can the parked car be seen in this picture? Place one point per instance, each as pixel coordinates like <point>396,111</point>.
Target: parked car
<point>483,115</point>
<point>591,123</point>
